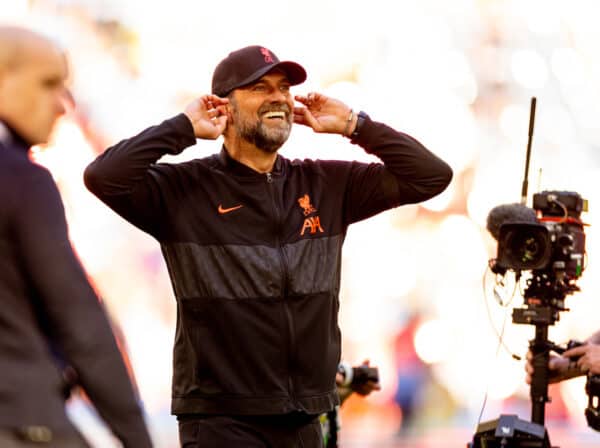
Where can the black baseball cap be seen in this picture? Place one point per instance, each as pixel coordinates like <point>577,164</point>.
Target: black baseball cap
<point>248,64</point>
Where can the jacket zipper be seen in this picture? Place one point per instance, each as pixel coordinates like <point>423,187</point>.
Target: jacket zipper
<point>284,269</point>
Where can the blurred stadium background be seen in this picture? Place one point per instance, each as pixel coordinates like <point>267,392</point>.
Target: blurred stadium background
<point>416,298</point>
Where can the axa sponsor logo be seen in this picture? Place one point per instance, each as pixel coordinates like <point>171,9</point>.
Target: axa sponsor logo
<point>311,224</point>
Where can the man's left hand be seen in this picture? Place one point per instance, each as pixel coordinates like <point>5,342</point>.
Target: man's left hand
<point>324,114</point>
<point>588,357</point>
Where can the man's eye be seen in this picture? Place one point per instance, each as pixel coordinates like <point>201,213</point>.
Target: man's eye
<point>285,88</point>
<point>51,83</point>
<point>259,88</point>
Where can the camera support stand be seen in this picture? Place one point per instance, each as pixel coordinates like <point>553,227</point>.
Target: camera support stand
<point>539,380</point>
<point>509,431</point>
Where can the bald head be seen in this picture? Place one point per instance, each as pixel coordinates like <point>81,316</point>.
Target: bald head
<point>17,45</point>
<point>33,71</point>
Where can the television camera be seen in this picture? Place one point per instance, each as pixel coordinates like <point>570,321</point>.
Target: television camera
<point>548,242</point>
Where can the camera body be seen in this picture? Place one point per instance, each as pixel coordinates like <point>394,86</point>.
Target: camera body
<point>356,376</point>
<point>556,243</point>
<point>362,374</point>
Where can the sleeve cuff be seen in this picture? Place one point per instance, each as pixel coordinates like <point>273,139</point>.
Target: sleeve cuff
<point>183,126</point>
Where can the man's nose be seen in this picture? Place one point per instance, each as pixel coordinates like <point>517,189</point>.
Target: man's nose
<point>69,98</point>
<point>277,96</point>
<point>66,101</point>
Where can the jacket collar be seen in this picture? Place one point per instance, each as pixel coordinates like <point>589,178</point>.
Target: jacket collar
<point>10,139</point>
<point>239,169</point>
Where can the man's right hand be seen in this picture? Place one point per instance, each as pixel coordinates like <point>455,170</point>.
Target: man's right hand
<point>208,115</point>
<point>559,369</point>
<point>587,357</point>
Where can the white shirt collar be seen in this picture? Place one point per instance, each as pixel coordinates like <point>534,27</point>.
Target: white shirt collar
<point>4,134</point>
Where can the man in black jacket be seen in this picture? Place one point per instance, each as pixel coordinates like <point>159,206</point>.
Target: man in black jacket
<point>49,311</point>
<point>253,242</point>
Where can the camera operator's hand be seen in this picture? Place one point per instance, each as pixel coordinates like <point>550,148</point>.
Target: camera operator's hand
<point>346,389</point>
<point>367,387</point>
<point>560,368</point>
<point>588,358</point>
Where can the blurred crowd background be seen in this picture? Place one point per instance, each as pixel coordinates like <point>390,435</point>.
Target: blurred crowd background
<point>416,298</point>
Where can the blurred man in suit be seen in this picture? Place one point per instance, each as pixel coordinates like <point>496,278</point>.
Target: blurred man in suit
<point>49,310</point>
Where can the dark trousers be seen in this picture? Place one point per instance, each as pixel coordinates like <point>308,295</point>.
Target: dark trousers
<point>279,431</point>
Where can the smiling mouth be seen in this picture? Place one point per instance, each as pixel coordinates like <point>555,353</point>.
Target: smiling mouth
<point>279,115</point>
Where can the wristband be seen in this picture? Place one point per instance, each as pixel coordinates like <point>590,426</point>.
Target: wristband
<point>359,122</point>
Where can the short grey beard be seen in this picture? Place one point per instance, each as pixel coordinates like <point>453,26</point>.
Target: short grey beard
<point>264,138</point>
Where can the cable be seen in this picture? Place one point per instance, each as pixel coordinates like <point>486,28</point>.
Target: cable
<point>500,343</point>
<point>502,304</point>
<point>500,334</point>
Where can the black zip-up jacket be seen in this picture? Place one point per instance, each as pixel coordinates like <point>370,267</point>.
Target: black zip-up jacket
<point>49,314</point>
<point>254,258</point>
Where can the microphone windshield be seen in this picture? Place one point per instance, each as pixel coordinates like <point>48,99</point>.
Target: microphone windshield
<point>508,213</point>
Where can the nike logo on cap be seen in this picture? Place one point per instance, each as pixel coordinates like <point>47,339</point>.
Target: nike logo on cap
<point>227,210</point>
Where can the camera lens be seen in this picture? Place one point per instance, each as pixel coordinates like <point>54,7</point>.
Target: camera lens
<point>523,246</point>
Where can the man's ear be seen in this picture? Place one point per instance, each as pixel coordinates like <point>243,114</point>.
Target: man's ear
<point>228,110</point>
